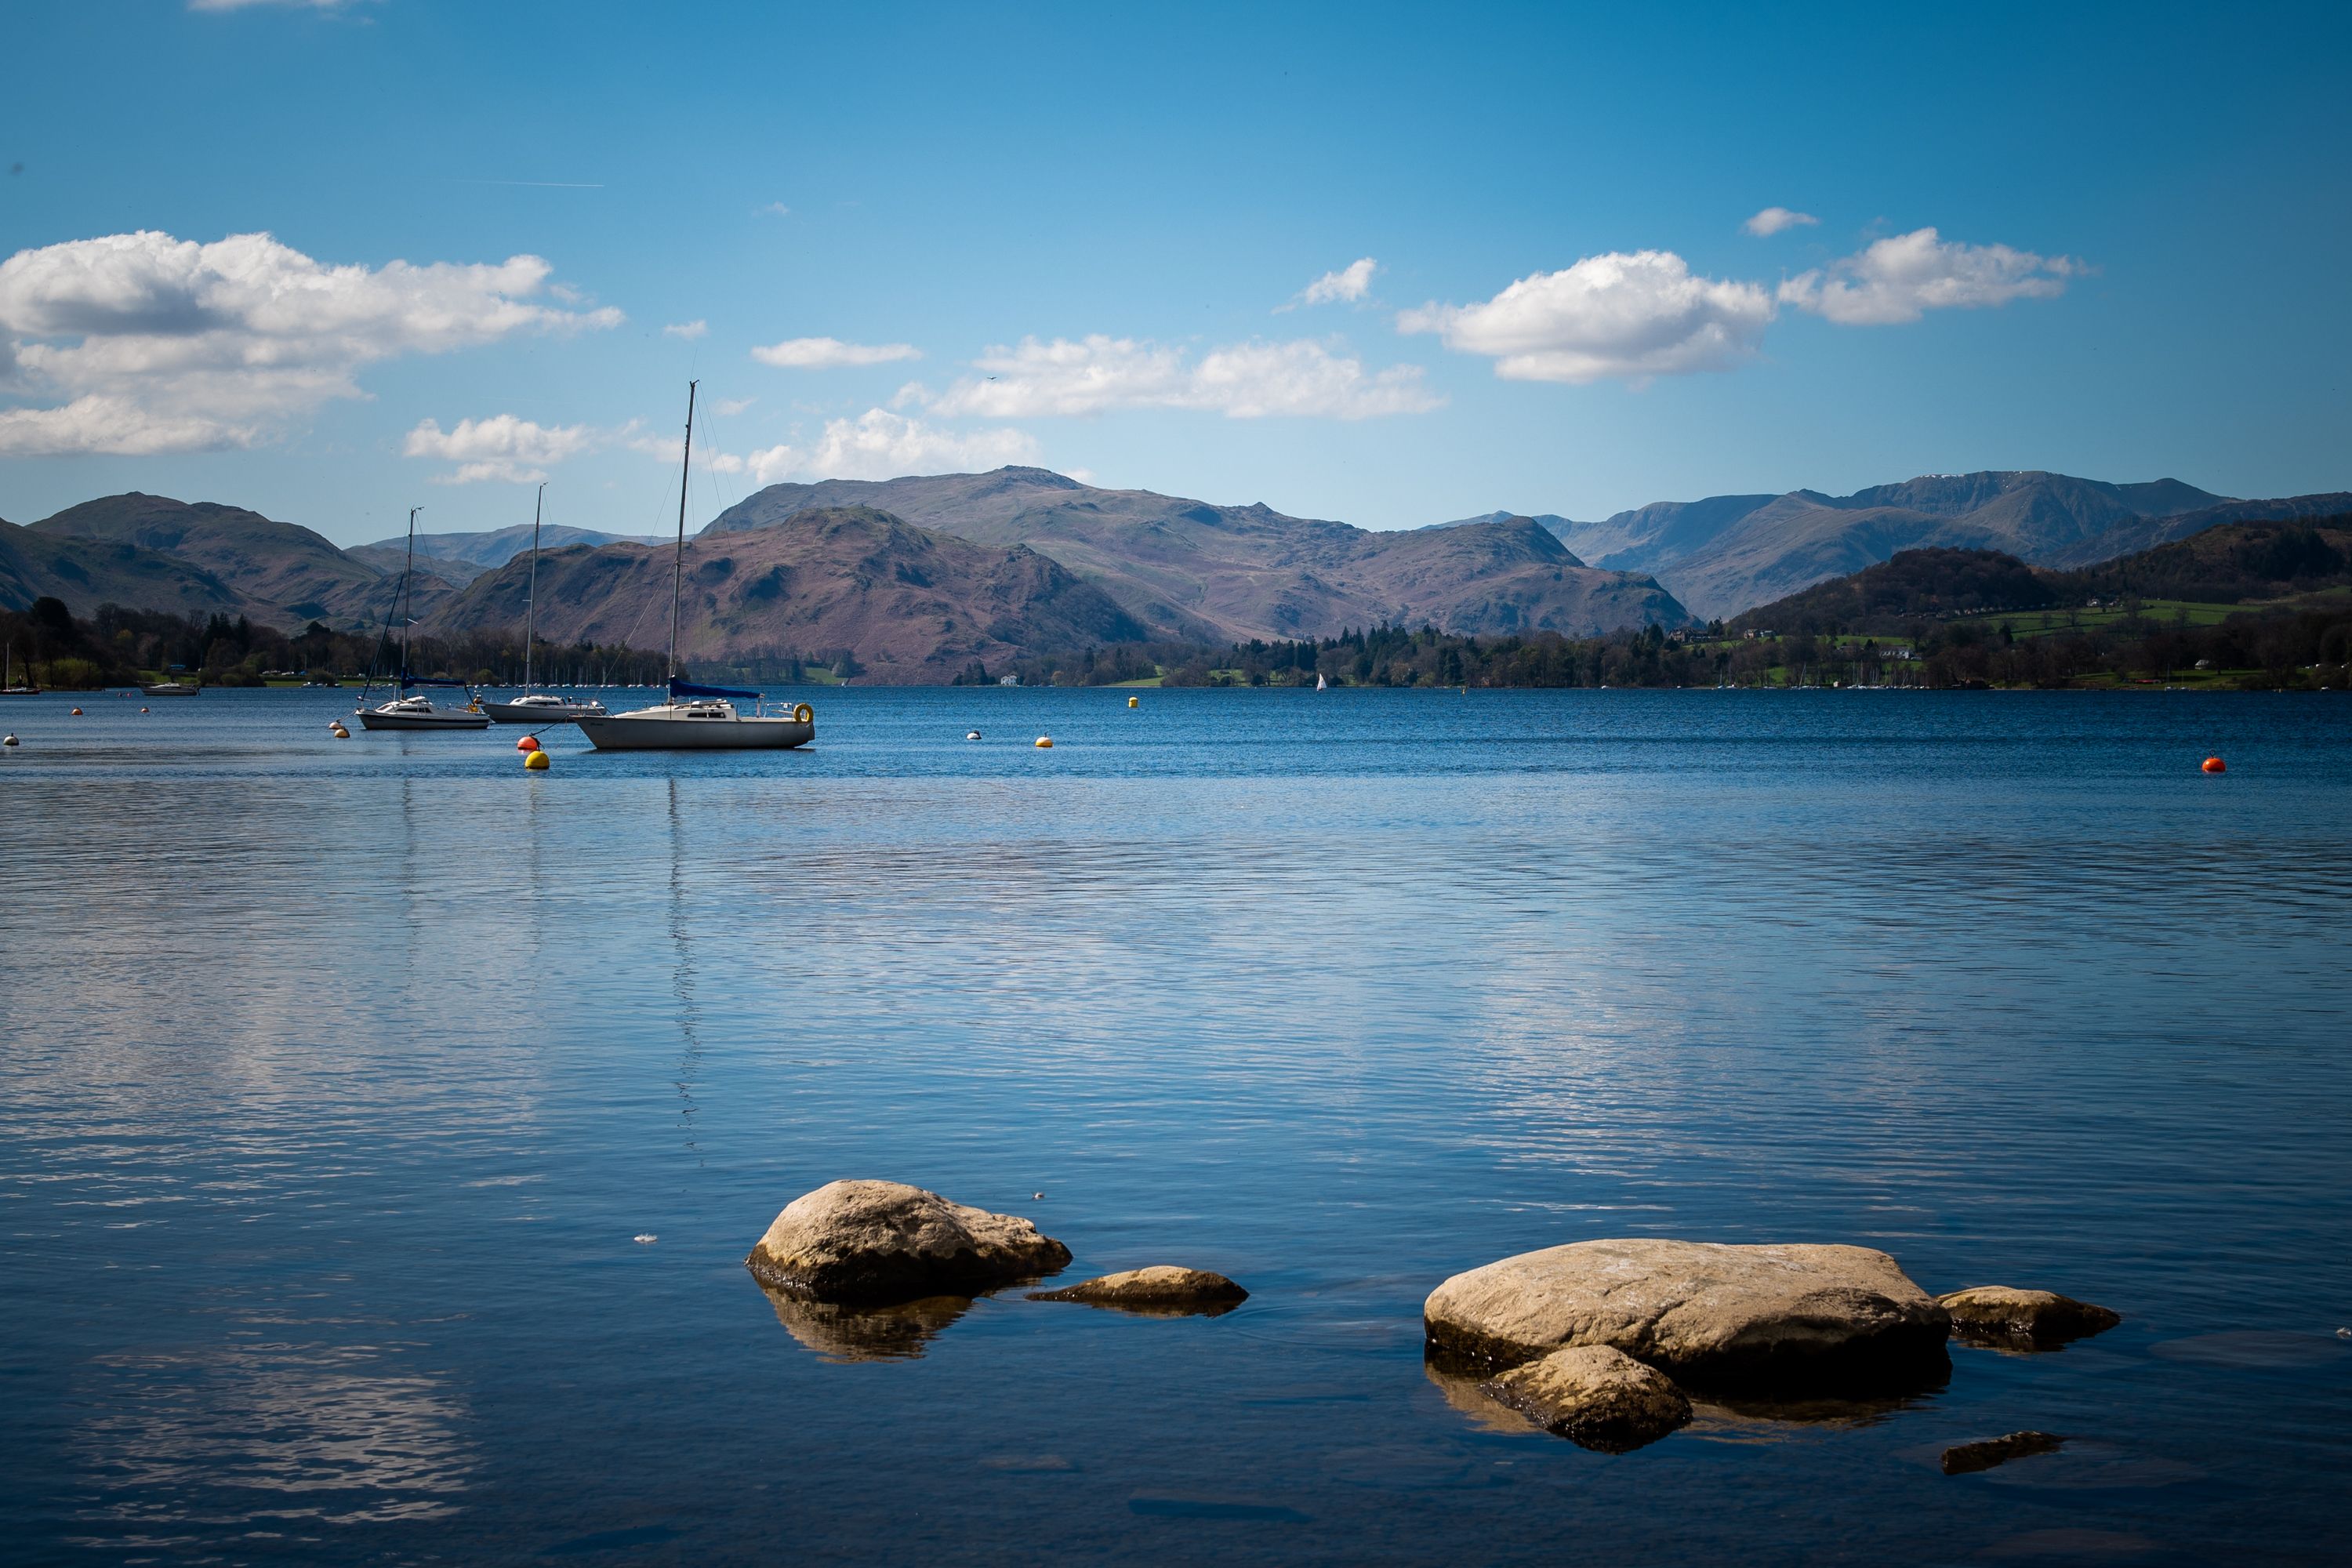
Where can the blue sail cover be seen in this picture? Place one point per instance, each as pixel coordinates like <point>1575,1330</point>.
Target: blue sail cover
<point>678,689</point>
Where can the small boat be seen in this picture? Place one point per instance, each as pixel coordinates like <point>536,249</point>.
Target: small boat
<point>697,718</point>
<point>1321,684</point>
<point>403,711</point>
<point>8,686</point>
<point>541,708</point>
<point>537,707</point>
<point>418,713</point>
<point>172,689</point>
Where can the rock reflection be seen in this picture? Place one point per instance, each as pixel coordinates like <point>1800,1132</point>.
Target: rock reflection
<point>845,1334</point>
<point>1730,1417</point>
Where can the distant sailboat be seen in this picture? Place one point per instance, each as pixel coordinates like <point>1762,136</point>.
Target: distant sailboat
<point>695,718</point>
<point>1321,684</point>
<point>403,711</point>
<point>8,686</point>
<point>537,706</point>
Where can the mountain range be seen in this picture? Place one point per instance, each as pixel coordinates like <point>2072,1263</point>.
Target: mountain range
<point>459,558</point>
<point>917,577</point>
<point>1724,554</point>
<point>1192,571</point>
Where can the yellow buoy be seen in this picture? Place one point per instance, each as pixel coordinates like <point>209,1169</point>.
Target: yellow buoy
<point>535,760</point>
<point>1047,741</point>
<point>1133,701</point>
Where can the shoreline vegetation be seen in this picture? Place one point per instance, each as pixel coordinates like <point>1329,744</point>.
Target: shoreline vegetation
<point>2246,607</point>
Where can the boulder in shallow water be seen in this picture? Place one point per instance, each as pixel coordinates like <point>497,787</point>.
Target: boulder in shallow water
<point>1596,1397</point>
<point>1968,1458</point>
<point>1159,1289</point>
<point>2023,1319</point>
<point>1707,1314</point>
<point>885,1241</point>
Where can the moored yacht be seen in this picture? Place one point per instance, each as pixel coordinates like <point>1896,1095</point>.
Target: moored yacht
<point>537,706</point>
<point>403,711</point>
<point>700,718</point>
<point>697,718</point>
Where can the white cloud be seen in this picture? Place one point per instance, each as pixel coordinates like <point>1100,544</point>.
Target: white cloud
<point>159,345</point>
<point>775,209</point>
<point>1351,283</point>
<point>831,354</point>
<point>727,407</point>
<point>499,447</point>
<point>686,330</point>
<point>1772,220</point>
<point>876,445</point>
<point>1246,381</point>
<point>1632,316</point>
<point>1897,279</point>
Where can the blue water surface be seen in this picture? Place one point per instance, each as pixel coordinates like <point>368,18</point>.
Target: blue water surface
<point>382,1126</point>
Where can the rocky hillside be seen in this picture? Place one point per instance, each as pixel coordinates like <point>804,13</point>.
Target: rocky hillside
<point>912,606</point>
<point>285,572</point>
<point>88,572</point>
<point>1186,569</point>
<point>2273,563</point>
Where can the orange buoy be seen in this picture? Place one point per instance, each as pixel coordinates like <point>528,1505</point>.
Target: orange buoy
<point>535,760</point>
<point>528,743</point>
<point>142,711</point>
<point>77,712</point>
<point>1043,742</point>
<point>2216,765</point>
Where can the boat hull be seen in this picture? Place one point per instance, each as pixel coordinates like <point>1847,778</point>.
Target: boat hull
<point>540,713</point>
<point>371,720</point>
<point>635,732</point>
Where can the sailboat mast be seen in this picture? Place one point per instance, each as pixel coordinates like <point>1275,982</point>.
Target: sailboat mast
<point>408,596</point>
<point>530,609</point>
<point>677,564</point>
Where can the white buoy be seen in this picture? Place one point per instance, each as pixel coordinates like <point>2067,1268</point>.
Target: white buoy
<point>971,735</point>
<point>7,740</point>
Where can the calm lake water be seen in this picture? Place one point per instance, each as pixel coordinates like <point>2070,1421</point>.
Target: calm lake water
<point>339,1077</point>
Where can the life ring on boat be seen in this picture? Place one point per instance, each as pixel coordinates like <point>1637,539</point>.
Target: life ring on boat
<point>803,714</point>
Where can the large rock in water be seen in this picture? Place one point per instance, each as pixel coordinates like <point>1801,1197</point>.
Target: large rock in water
<point>2023,1319</point>
<point>1599,1397</point>
<point>885,1241</point>
<point>1809,1317</point>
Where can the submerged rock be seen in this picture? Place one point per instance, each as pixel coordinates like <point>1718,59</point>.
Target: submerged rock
<point>1595,1397</point>
<point>1967,1458</point>
<point>2023,1319</point>
<point>884,1241</point>
<point>1708,1314</point>
<point>1159,1290</point>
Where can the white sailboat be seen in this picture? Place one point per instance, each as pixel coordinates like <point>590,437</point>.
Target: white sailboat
<point>697,718</point>
<point>1320,684</point>
<point>537,706</point>
<point>403,711</point>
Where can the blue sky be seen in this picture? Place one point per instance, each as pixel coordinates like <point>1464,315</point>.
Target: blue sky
<point>2137,268</point>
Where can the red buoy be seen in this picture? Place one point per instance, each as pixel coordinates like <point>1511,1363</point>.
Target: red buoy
<point>2216,765</point>
<point>528,743</point>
